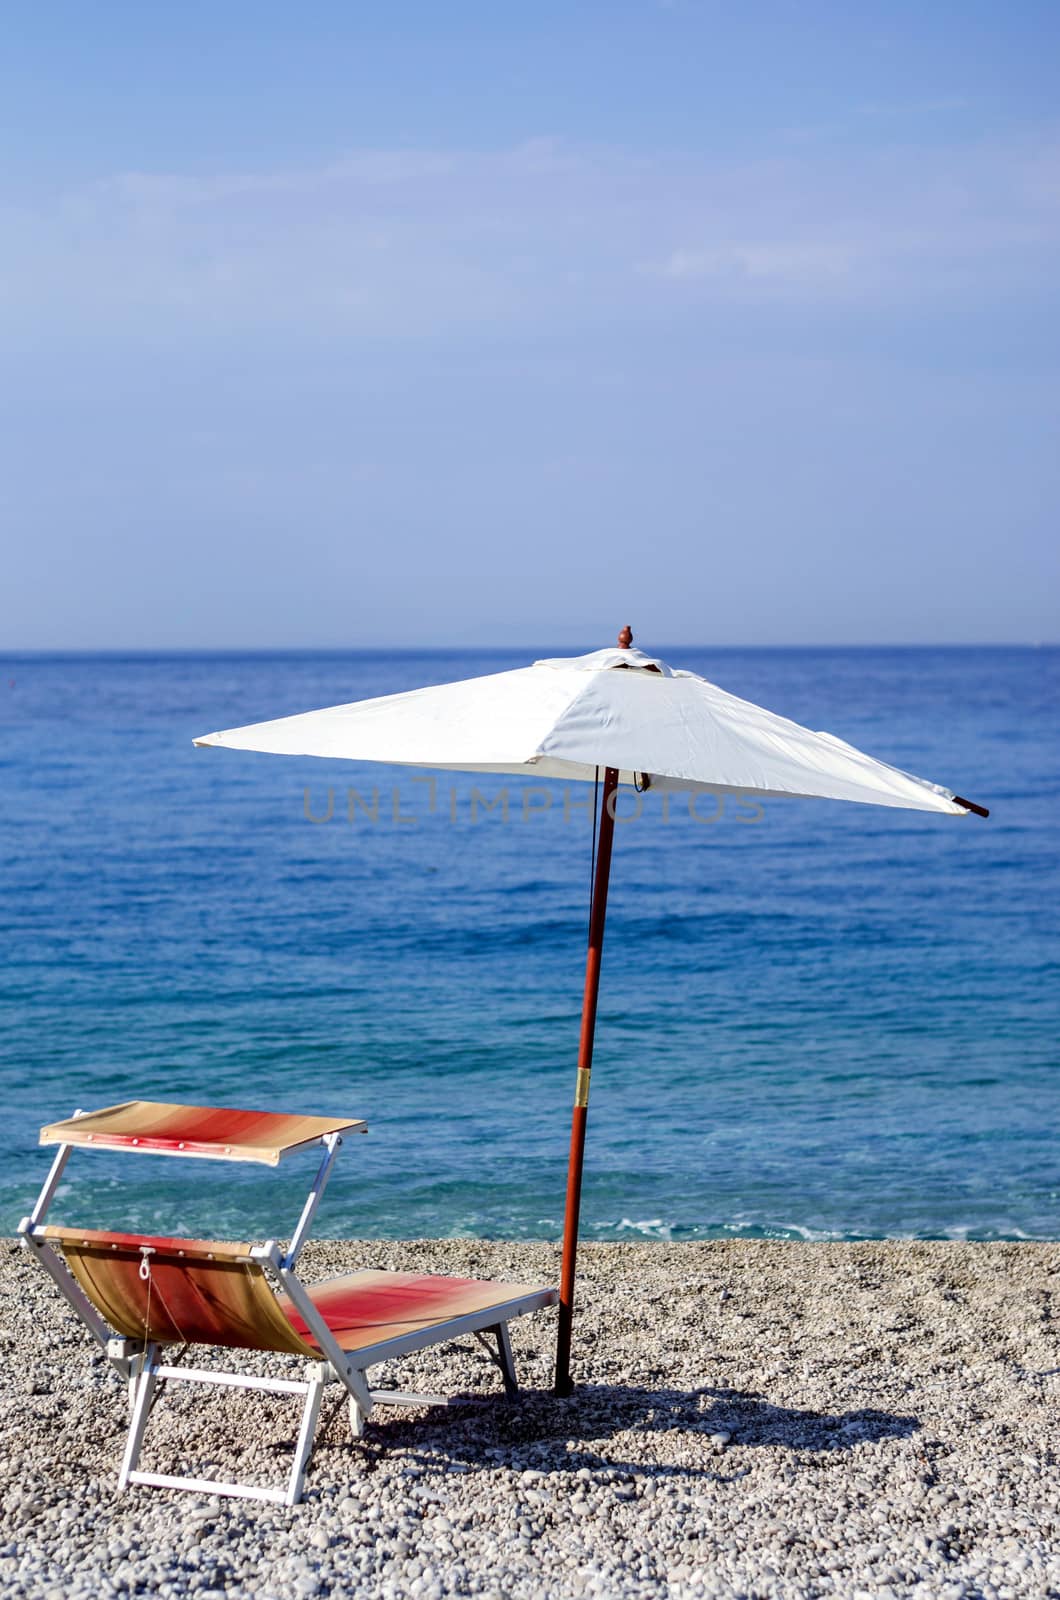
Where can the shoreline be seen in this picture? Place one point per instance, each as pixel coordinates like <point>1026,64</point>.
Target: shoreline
<point>752,1418</point>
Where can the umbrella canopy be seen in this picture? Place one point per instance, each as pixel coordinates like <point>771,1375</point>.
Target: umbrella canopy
<point>570,718</point>
<point>619,712</point>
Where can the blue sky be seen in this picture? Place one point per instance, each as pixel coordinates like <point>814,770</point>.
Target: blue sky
<point>421,324</point>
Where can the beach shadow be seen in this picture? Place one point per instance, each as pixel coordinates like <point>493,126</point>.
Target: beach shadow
<point>537,1429</point>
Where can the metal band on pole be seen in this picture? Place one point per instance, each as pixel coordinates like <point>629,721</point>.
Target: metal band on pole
<point>597,919</point>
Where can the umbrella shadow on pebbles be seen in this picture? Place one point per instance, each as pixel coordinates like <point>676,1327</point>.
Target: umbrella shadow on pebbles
<point>538,1431</point>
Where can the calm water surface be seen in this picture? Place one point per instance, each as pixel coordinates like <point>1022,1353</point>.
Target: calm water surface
<point>835,1022</point>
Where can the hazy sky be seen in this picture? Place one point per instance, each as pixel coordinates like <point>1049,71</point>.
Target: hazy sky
<point>503,322</point>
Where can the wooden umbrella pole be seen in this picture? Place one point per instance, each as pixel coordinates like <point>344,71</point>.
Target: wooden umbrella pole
<point>597,918</point>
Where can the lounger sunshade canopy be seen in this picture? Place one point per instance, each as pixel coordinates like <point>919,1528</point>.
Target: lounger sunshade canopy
<point>221,1133</point>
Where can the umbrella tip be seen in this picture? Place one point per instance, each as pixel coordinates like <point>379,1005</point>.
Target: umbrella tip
<point>625,637</point>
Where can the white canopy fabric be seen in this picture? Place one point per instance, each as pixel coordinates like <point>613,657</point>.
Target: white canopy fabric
<point>614,708</point>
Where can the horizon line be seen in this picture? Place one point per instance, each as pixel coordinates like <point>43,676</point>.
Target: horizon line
<point>117,652</point>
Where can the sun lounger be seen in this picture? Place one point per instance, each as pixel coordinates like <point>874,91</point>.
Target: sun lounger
<point>139,1293</point>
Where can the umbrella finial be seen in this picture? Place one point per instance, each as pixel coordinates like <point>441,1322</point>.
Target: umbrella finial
<point>625,638</point>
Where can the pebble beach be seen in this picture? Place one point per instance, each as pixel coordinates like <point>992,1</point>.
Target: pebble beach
<point>751,1419</point>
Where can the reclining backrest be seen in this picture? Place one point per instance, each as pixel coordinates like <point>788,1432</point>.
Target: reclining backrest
<point>192,1291</point>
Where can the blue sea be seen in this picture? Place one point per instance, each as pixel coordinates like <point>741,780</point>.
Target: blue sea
<point>824,1022</point>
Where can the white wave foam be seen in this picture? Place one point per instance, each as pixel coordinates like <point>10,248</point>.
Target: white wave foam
<point>653,1228</point>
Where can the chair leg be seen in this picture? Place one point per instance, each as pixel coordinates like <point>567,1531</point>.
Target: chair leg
<point>315,1374</point>
<point>149,1370</point>
<point>355,1382</point>
<point>506,1360</point>
<point>142,1389</point>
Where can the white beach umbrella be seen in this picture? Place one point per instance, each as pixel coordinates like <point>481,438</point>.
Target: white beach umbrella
<point>617,712</point>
